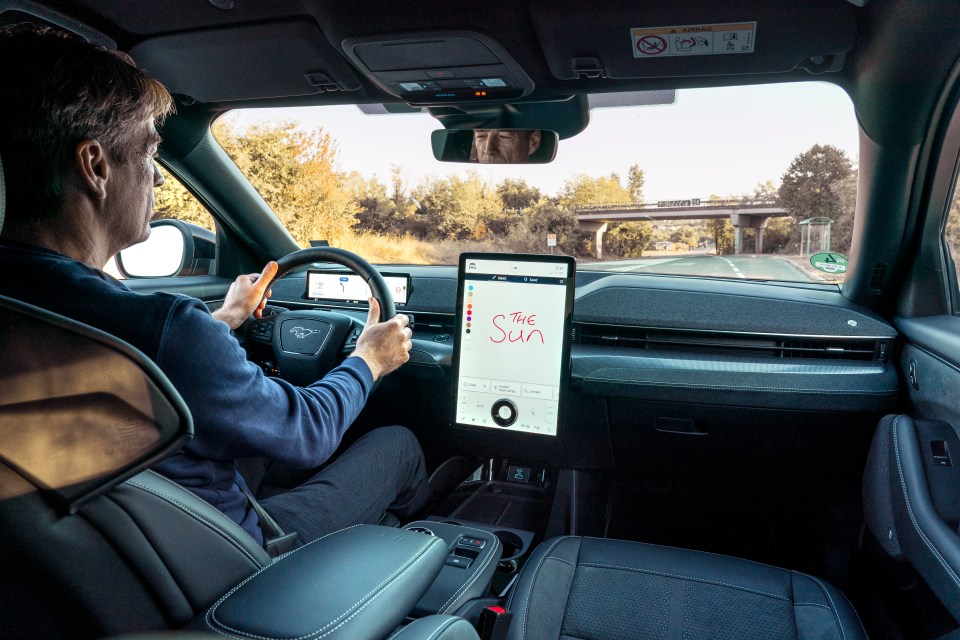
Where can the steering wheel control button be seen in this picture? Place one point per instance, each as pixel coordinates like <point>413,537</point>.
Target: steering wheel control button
<point>504,412</point>
<point>303,336</point>
<point>261,332</point>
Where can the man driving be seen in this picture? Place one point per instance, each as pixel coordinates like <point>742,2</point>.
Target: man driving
<point>78,139</point>
<point>504,146</point>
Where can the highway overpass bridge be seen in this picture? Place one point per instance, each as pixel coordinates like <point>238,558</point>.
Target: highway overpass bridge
<point>743,214</point>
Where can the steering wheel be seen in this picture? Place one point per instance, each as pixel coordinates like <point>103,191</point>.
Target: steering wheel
<point>307,344</point>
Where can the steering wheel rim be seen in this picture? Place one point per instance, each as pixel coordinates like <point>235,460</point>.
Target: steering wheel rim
<point>378,286</point>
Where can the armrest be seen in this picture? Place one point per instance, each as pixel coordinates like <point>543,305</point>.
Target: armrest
<point>355,583</point>
<point>437,628</point>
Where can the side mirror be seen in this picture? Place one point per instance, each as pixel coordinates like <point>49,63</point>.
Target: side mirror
<point>174,248</point>
<point>495,146</point>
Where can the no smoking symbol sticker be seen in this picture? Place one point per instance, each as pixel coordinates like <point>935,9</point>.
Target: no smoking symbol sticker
<point>651,45</point>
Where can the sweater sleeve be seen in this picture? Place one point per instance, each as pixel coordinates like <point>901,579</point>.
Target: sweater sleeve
<point>239,412</point>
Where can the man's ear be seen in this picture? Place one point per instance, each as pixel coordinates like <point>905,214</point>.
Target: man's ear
<point>534,142</point>
<point>93,167</point>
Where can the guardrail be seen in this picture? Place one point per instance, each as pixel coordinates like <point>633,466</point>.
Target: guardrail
<point>693,203</point>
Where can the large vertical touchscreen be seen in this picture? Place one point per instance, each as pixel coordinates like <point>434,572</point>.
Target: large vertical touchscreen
<point>513,341</point>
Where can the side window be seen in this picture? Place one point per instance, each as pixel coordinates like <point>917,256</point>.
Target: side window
<point>951,235</point>
<point>173,201</point>
<point>166,252</point>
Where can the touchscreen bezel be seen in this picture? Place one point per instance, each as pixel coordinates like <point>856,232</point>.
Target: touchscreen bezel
<point>341,272</point>
<point>564,382</point>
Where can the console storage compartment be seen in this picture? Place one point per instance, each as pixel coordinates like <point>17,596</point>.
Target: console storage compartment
<point>356,583</point>
<point>472,557</point>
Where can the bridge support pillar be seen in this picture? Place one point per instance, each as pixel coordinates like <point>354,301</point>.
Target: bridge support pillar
<point>599,228</point>
<point>741,221</point>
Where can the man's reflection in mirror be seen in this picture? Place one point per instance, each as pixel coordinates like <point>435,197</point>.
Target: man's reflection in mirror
<point>504,146</point>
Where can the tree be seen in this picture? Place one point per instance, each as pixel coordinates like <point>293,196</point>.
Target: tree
<point>628,239</point>
<point>722,235</point>
<point>296,173</point>
<point>817,184</point>
<point>635,182</point>
<point>687,235</point>
<point>584,189</point>
<point>952,231</point>
<point>172,200</point>
<point>765,192</point>
<point>458,208</point>
<point>516,194</point>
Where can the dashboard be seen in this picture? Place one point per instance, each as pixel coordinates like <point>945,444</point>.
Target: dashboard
<point>742,388</point>
<point>759,344</point>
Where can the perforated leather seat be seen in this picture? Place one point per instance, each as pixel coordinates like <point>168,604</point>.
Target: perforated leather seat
<point>600,589</point>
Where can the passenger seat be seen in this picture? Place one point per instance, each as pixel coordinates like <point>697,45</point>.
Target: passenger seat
<point>574,587</point>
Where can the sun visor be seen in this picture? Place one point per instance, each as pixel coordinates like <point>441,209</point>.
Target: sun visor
<point>440,68</point>
<point>244,62</point>
<point>648,38</point>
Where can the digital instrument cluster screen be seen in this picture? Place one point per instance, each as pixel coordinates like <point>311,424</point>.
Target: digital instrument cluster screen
<point>511,360</point>
<point>342,286</point>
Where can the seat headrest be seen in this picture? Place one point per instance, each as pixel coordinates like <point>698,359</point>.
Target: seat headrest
<point>80,410</point>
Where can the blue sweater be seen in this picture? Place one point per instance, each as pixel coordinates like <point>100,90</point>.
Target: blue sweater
<point>237,411</point>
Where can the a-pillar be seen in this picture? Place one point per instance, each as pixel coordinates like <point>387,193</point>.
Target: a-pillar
<point>599,228</point>
<point>741,221</point>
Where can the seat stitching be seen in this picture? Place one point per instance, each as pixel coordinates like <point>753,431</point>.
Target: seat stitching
<point>705,553</point>
<point>241,531</point>
<point>444,624</point>
<point>533,580</point>
<point>812,604</point>
<point>370,597</point>
<point>561,560</point>
<point>913,520</point>
<point>833,608</point>
<point>850,604</point>
<point>692,385</point>
<point>210,611</point>
<point>199,517</point>
<point>453,599</point>
<point>692,579</point>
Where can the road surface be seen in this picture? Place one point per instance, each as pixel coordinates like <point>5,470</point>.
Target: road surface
<point>767,267</point>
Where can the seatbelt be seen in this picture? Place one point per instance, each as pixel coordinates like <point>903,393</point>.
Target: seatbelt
<point>275,541</point>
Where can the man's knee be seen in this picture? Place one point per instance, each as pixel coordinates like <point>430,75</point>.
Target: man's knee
<point>396,438</point>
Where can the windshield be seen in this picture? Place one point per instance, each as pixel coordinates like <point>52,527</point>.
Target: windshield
<point>751,182</point>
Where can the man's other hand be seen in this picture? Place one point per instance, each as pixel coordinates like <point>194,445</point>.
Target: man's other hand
<point>384,346</point>
<point>247,295</point>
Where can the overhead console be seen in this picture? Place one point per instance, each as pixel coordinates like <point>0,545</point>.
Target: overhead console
<point>653,39</point>
<point>440,68</point>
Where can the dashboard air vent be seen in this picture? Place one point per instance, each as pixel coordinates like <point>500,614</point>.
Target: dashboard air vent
<point>732,344</point>
<point>436,322</point>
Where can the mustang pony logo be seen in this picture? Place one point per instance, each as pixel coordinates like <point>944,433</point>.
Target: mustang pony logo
<point>301,333</point>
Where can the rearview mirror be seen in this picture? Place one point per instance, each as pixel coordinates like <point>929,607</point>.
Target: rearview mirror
<point>495,146</point>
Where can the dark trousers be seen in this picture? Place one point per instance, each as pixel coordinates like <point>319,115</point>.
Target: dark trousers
<point>381,472</point>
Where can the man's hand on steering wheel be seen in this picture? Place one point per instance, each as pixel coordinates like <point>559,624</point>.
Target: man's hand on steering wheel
<point>247,296</point>
<point>384,346</point>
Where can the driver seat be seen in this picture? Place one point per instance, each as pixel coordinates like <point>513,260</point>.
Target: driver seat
<point>93,543</point>
<point>96,544</point>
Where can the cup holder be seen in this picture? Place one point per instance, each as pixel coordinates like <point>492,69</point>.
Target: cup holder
<point>512,545</point>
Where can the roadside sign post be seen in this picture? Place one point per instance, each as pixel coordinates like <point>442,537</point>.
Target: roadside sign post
<point>551,241</point>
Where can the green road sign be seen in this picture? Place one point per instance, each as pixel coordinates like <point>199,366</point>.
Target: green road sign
<point>829,262</point>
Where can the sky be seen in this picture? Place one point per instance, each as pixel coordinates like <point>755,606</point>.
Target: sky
<point>719,141</point>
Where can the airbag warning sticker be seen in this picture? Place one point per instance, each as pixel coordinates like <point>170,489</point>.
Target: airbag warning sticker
<point>693,40</point>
